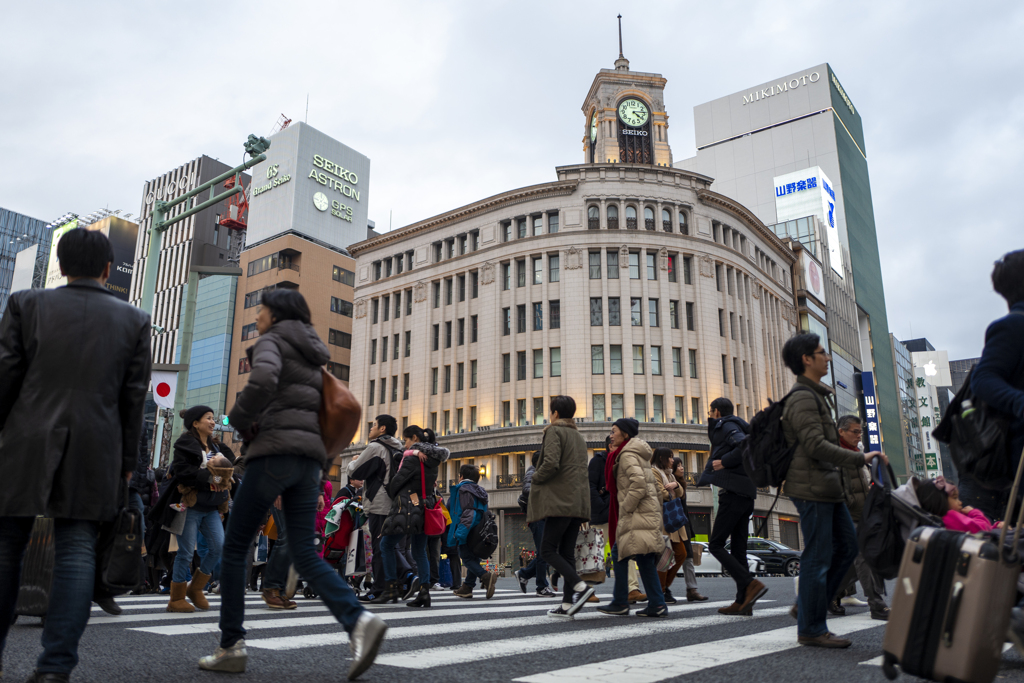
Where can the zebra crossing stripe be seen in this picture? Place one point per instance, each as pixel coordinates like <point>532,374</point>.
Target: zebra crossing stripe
<point>163,604</point>
<point>635,628</point>
<point>656,666</point>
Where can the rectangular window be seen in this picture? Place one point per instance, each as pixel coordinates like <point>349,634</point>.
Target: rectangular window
<point>506,322</point>
<point>677,362</point>
<point>538,317</point>
<point>597,359</point>
<point>673,314</point>
<point>617,406</point>
<point>613,264</point>
<point>463,242</point>
<point>408,302</point>
<point>472,329</point>
<point>652,266</point>
<point>373,394</point>
<point>458,418</point>
<point>506,413</point>
<point>405,387</point>
<point>689,317</point>
<point>634,265</point>
<point>743,332</point>
<point>447,378</point>
<point>249,332</point>
<point>538,270</point>
<point>506,367</point>
<point>718,277</point>
<point>338,338</point>
<point>554,271</point>
<point>732,326</point>
<point>384,350</point>
<point>462,331</point>
<point>693,363</point>
<point>728,281</point>
<point>538,411</point>
<point>244,366</point>
<point>472,374</point>
<point>746,377</point>
<point>460,376</point>
<point>553,222</point>
<point>635,316</point>
<point>474,240</point>
<point>342,307</point>
<point>615,359</point>
<point>345,277</point>
<point>538,363</point>
<point>462,287</point>
<point>721,322</point>
<point>338,370</point>
<point>556,361</point>
<point>687,270</point>
<point>521,228</point>
<point>438,252</point>
<point>448,335</point>
<point>506,230</point>
<point>596,312</point>
<point>638,359</point>
<point>694,410</point>
<point>520,318</point>
<point>595,265</point>
<point>373,351</point>
<point>655,360</point>
<point>472,418</point>
<point>437,336</point>
<point>652,312</point>
<point>640,407</point>
<point>394,388</point>
<point>680,414</point>
<point>598,408</point>
<point>614,319</point>
<point>447,421</point>
<point>506,276</point>
<point>735,371</point>
<point>521,273</point>
<point>474,284</point>
<point>436,286</point>
<point>394,347</point>
<point>658,409</point>
<point>672,273</point>
<point>521,411</point>
<point>725,370</point>
<point>448,286</point>
<point>520,365</point>
<point>555,314</point>
<point>433,422</point>
<point>383,390</point>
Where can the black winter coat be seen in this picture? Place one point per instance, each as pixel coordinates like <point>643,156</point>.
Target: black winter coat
<point>187,471</point>
<point>74,369</point>
<point>599,495</point>
<point>405,516</point>
<point>727,435</point>
<point>279,408</point>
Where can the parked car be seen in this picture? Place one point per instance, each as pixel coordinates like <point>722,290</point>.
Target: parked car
<point>709,566</point>
<point>778,558</point>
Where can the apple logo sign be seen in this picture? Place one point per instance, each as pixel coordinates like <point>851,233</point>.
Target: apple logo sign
<point>929,368</point>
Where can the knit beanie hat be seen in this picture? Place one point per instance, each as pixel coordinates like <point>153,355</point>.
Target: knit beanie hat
<point>194,413</point>
<point>628,426</point>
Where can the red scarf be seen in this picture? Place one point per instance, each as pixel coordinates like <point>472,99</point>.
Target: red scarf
<point>609,485</point>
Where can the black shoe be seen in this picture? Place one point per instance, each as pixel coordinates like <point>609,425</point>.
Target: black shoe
<point>365,597</point>
<point>614,610</point>
<point>545,592</point>
<point>414,587</point>
<point>579,599</point>
<point>880,614</point>
<point>48,677</point>
<point>669,598</point>
<point>522,582</point>
<point>835,609</point>
<point>560,613</point>
<point>389,594</point>
<point>659,613</point>
<point>108,605</point>
<point>422,598</point>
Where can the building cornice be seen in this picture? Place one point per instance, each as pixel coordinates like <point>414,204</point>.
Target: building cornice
<point>650,172</point>
<point>559,188</point>
<point>752,221</point>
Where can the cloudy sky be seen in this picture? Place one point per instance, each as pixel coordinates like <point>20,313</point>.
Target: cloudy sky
<point>455,101</point>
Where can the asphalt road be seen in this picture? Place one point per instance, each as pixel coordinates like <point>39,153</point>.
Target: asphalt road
<point>509,638</point>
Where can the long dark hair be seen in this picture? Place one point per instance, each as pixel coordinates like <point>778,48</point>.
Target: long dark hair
<point>420,434</point>
<point>662,458</point>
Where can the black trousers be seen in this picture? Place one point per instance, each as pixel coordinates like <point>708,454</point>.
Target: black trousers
<point>558,548</point>
<point>434,557</point>
<point>376,524</point>
<point>732,522</point>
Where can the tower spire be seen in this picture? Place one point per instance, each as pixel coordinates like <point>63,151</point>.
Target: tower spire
<point>621,64</point>
<point>620,37</point>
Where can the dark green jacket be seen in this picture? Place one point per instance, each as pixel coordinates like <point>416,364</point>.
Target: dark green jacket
<point>808,421</point>
<point>560,486</point>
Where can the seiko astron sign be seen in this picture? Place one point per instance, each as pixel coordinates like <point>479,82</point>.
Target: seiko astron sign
<point>310,184</point>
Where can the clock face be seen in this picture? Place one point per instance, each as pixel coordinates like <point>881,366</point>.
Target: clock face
<point>593,127</point>
<point>633,112</point>
<point>320,201</point>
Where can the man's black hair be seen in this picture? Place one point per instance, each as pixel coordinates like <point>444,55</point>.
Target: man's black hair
<point>389,424</point>
<point>1008,277</point>
<point>286,304</point>
<point>470,472</point>
<point>723,406</point>
<point>84,253</point>
<point>535,458</point>
<point>798,346</point>
<point>565,406</point>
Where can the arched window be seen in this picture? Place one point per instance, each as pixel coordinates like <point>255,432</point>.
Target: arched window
<point>613,217</point>
<point>684,227</point>
<point>648,218</point>
<point>593,217</point>
<point>666,220</point>
<point>630,218</point>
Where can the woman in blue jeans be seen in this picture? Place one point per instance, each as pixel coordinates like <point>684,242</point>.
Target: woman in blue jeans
<point>416,476</point>
<point>277,414</point>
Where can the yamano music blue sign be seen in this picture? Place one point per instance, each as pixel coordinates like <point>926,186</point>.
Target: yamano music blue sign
<point>871,428</point>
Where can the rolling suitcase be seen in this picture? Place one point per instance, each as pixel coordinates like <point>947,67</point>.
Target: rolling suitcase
<point>951,604</point>
<point>36,571</point>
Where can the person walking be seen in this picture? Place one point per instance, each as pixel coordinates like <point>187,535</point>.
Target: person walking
<point>857,480</point>
<point>736,496</point>
<point>815,485</point>
<point>74,369</point>
<point>467,503</point>
<point>538,568</point>
<point>634,519</point>
<point>416,477</point>
<point>689,571</point>
<point>277,414</point>
<point>669,488</point>
<point>560,495</point>
<point>373,467</point>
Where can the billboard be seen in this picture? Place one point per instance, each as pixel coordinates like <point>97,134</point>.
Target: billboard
<point>810,193</point>
<point>122,235</point>
<point>813,278</point>
<point>872,432</point>
<point>53,274</point>
<point>24,269</point>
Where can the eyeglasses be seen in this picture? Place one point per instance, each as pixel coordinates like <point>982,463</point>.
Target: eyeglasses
<point>822,352</point>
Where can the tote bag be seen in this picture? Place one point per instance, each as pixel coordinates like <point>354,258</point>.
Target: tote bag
<point>433,518</point>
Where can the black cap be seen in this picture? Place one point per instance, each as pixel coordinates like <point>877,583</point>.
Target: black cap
<point>628,426</point>
<point>194,413</point>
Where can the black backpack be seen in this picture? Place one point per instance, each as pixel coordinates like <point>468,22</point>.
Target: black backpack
<point>766,452</point>
<point>483,538</point>
<point>878,534</point>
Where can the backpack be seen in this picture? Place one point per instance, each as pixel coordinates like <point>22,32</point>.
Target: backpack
<point>766,452</point>
<point>483,538</point>
<point>878,534</point>
<point>523,500</point>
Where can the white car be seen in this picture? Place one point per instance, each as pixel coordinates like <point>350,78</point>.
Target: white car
<point>709,566</point>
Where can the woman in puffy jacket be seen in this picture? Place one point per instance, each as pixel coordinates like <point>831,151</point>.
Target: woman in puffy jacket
<point>412,488</point>
<point>669,487</point>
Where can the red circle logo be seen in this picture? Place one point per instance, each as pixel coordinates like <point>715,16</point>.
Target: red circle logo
<point>163,389</point>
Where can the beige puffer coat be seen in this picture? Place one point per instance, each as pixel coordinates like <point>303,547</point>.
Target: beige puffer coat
<point>639,529</point>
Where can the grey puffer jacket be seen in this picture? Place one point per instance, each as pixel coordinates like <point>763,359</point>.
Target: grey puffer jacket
<point>280,405</point>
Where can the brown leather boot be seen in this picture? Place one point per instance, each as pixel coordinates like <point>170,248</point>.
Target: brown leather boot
<point>734,608</point>
<point>693,596</point>
<point>177,602</point>
<point>755,591</point>
<point>195,590</point>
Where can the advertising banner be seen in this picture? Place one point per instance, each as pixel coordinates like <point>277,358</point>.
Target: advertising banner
<point>122,235</point>
<point>53,275</point>
<point>24,268</point>
<point>810,193</point>
<point>813,277</point>
<point>871,430</point>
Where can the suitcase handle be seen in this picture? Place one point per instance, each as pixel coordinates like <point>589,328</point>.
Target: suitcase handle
<point>954,607</point>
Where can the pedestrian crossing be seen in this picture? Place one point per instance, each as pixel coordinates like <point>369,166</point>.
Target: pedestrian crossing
<point>507,632</point>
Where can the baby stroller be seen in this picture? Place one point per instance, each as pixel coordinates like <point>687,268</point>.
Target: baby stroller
<point>908,509</point>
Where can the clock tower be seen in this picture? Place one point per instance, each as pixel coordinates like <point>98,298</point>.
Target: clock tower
<point>625,118</point>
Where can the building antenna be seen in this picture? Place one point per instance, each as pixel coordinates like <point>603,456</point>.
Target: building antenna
<point>620,37</point>
<point>391,215</point>
<point>306,120</point>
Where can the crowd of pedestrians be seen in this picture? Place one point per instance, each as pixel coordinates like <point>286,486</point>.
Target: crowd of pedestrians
<point>215,505</point>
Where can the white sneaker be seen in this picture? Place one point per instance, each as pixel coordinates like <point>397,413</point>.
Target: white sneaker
<point>231,660</point>
<point>437,587</point>
<point>852,601</point>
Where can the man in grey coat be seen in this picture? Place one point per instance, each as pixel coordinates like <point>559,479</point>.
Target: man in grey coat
<point>74,369</point>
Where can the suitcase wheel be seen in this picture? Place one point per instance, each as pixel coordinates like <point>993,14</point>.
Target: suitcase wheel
<point>889,666</point>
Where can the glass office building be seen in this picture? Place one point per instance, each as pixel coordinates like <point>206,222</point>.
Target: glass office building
<point>17,233</point>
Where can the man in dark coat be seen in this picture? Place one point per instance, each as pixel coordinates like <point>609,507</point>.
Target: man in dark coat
<point>74,369</point>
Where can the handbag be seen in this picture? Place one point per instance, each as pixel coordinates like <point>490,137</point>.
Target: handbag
<point>673,515</point>
<point>668,556</point>
<point>260,552</point>
<point>339,414</point>
<point>355,556</point>
<point>589,551</point>
<point>433,518</point>
<point>119,552</point>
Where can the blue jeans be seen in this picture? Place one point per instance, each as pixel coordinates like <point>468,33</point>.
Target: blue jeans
<point>213,532</point>
<point>388,553</point>
<point>203,549</point>
<point>275,574</point>
<point>70,592</point>
<point>830,547</point>
<point>538,567</point>
<point>648,566</point>
<point>296,479</point>
<point>472,564</point>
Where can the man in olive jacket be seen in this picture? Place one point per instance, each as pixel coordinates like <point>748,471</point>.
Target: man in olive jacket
<point>815,485</point>
<point>74,368</point>
<point>560,495</point>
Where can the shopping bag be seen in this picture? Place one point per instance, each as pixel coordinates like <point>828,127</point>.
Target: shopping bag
<point>673,515</point>
<point>444,572</point>
<point>698,553</point>
<point>589,551</point>
<point>260,551</point>
<point>355,556</point>
<point>668,556</point>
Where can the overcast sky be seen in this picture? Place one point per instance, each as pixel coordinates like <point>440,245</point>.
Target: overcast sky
<point>456,101</point>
